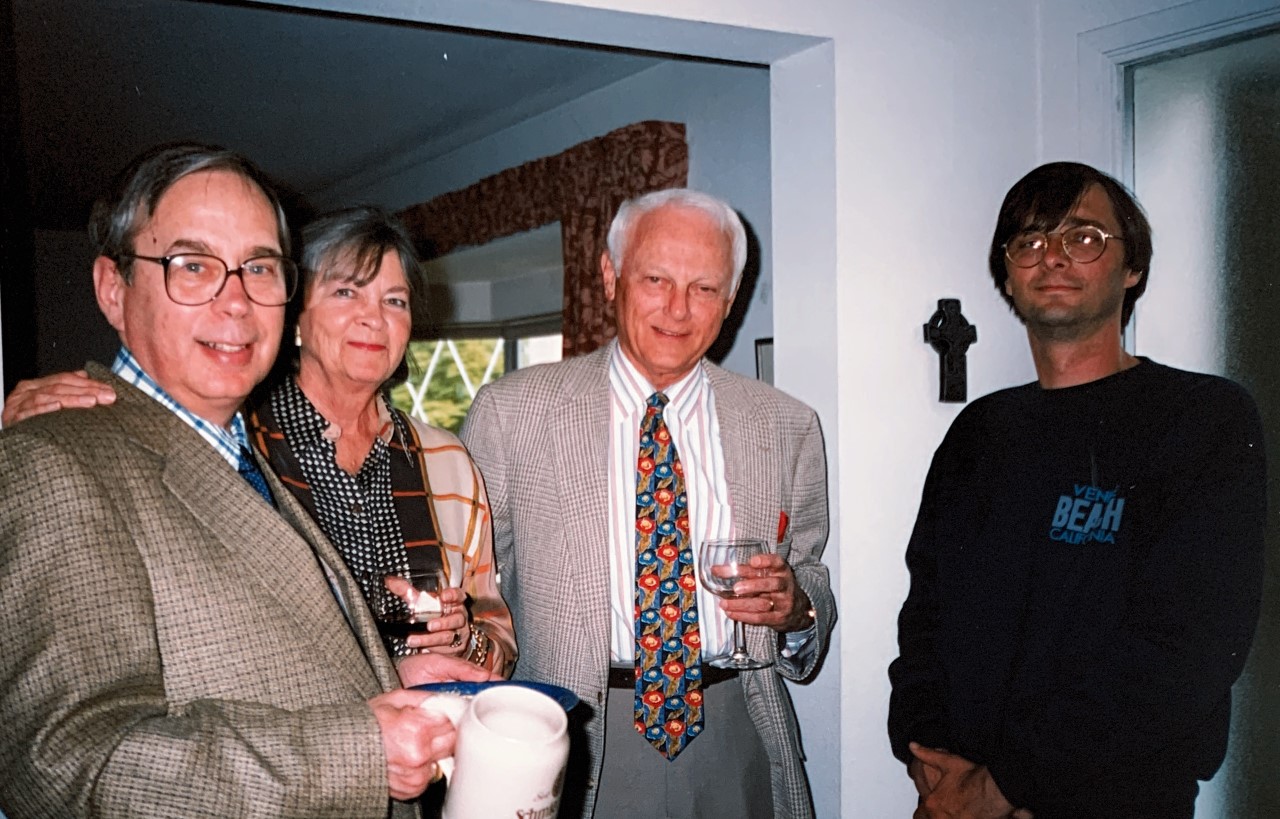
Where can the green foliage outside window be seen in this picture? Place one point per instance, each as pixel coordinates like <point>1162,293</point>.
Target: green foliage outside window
<point>447,398</point>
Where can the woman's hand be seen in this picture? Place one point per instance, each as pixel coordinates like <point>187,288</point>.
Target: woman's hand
<point>54,392</point>
<point>450,633</point>
<point>417,669</point>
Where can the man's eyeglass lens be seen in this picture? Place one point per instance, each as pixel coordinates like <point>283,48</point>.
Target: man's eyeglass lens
<point>193,279</point>
<point>1081,244</point>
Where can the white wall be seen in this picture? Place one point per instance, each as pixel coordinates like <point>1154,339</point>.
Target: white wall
<point>726,112</point>
<point>539,292</point>
<point>891,145</point>
<point>896,129</point>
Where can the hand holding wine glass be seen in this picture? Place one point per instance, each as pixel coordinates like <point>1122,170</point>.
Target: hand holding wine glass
<point>771,596</point>
<point>723,563</point>
<point>421,608</point>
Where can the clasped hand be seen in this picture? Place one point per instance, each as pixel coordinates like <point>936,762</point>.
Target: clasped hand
<point>952,787</point>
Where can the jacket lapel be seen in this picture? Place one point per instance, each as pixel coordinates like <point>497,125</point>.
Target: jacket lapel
<point>582,468</point>
<point>277,559</point>
<point>753,469</point>
<point>359,618</point>
<point>274,556</point>
<point>752,462</point>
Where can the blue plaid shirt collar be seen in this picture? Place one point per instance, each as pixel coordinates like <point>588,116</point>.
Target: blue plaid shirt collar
<point>226,442</point>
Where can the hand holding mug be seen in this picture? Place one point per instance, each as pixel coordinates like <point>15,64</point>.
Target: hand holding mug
<point>509,759</point>
<point>414,741</point>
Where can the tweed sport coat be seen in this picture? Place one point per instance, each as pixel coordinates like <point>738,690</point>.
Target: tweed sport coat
<point>169,645</point>
<point>540,438</point>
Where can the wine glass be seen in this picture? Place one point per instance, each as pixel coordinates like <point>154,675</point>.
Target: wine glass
<point>722,563</point>
<point>404,602</point>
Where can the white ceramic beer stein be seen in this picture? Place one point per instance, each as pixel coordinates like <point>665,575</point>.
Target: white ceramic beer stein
<point>509,758</point>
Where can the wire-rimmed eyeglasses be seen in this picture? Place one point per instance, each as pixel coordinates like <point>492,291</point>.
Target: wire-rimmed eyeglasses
<point>193,279</point>
<point>1083,244</point>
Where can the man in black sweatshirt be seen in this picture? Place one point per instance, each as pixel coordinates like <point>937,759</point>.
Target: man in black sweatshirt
<point>1086,566</point>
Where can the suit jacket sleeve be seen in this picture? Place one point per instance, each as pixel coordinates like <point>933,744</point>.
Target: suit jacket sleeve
<point>482,435</point>
<point>88,727</point>
<point>807,538</point>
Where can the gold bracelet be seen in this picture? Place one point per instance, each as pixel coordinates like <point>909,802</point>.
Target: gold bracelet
<point>479,646</point>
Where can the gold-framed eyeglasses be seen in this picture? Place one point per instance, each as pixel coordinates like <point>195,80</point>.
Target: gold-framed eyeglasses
<point>193,279</point>
<point>1083,244</point>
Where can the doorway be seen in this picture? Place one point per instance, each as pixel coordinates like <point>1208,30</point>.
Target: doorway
<point>799,203</point>
<point>1206,165</point>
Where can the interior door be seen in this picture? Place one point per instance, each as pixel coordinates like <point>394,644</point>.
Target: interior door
<point>1206,166</point>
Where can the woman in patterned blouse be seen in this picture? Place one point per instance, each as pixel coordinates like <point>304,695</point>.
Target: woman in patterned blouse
<point>390,491</point>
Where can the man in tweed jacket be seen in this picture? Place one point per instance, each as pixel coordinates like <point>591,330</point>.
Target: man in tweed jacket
<point>170,644</point>
<point>560,471</point>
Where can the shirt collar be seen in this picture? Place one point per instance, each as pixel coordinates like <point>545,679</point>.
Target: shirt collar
<point>226,440</point>
<point>633,389</point>
<point>313,425</point>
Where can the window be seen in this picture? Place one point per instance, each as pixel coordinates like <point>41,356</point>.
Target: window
<point>446,372</point>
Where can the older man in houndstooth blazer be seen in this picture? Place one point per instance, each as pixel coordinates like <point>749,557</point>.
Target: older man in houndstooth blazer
<point>542,436</point>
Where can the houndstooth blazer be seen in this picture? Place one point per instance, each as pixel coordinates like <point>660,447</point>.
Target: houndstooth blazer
<point>169,644</point>
<point>540,438</point>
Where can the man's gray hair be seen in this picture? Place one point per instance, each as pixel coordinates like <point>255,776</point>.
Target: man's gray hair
<point>719,211</point>
<point>118,216</point>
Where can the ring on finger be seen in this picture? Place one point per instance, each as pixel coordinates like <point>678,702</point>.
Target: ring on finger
<point>457,639</point>
<point>772,605</point>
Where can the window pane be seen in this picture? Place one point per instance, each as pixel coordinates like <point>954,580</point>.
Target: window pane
<point>438,390</point>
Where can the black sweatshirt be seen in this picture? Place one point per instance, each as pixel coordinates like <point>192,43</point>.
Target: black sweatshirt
<point>1086,570</point>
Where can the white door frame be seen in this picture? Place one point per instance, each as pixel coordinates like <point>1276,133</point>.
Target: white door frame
<point>1104,54</point>
<point>804,237</point>
<point>1105,103</point>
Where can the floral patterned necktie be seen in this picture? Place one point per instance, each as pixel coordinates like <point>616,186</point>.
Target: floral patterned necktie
<point>668,646</point>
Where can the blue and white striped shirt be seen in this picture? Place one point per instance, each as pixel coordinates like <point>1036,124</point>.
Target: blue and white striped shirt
<point>226,442</point>
<point>695,429</point>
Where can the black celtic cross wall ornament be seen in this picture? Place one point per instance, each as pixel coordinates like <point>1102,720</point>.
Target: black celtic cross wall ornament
<point>950,334</point>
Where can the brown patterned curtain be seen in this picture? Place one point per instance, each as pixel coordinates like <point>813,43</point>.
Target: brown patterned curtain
<point>581,188</point>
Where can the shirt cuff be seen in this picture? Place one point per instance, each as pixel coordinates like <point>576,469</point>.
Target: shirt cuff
<point>799,645</point>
